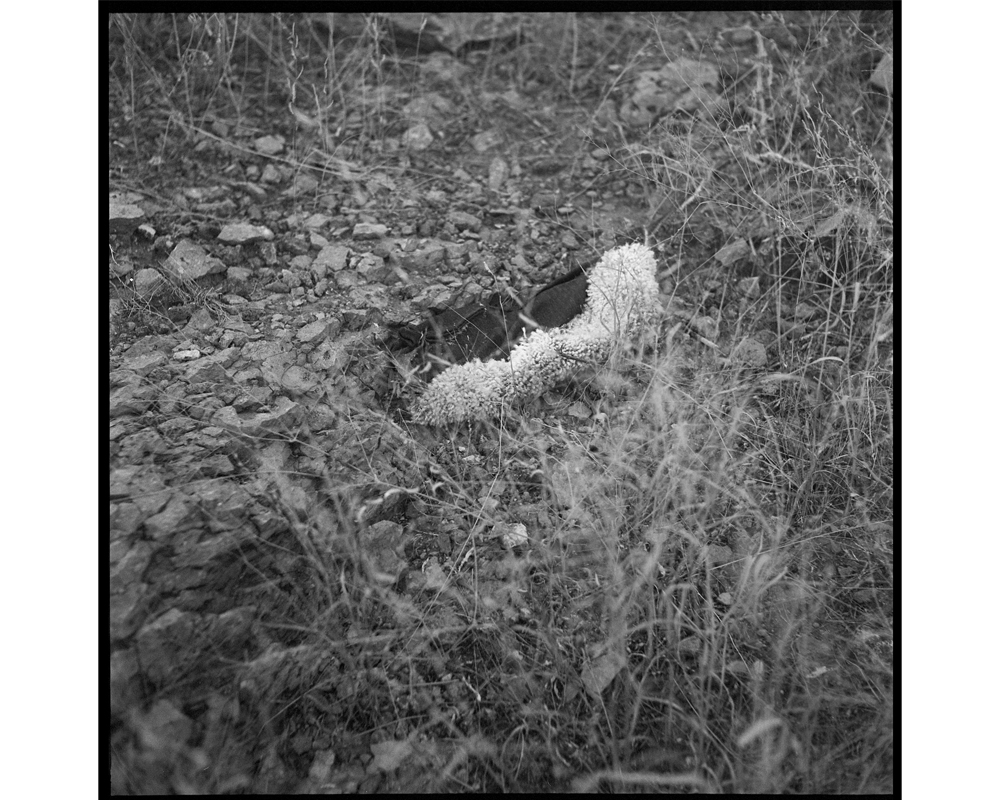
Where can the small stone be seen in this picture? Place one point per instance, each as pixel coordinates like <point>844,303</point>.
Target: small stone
<point>314,331</point>
<point>482,142</point>
<point>740,36</point>
<point>124,218</point>
<point>346,279</point>
<point>331,258</point>
<point>372,268</point>
<point>148,283</point>
<point>131,400</point>
<point>354,319</point>
<point>733,252</point>
<point>882,76</point>
<point>190,261</point>
<point>418,138</point>
<point>303,184</point>
<point>242,233</point>
<point>269,145</point>
<point>317,220</point>
<point>866,596</point>
<point>145,363</point>
<point>429,255</point>
<point>464,221</point>
<point>121,266</point>
<point>299,380</point>
<point>271,174</point>
<point>513,535</point>
<point>368,230</point>
<point>499,170</point>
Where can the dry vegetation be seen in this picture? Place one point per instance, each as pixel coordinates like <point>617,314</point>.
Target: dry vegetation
<point>705,599</point>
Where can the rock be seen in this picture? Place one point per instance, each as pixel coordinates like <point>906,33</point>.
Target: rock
<point>190,261</point>
<point>317,331</point>
<point>418,137</point>
<point>290,279</point>
<point>284,418</point>
<point>137,447</point>
<point>464,221</point>
<point>124,218</point>
<point>345,280</point>
<point>368,230</point>
<point>242,233</point>
<point>269,145</point>
<point>213,368</point>
<point>268,253</point>
<point>145,363</point>
<point>680,85</point>
<point>162,643</point>
<point>132,399</point>
<point>372,268</point>
<point>511,534</point>
<point>128,610</point>
<point>333,257</point>
<point>115,307</point>
<point>599,672</point>
<point>733,252</point>
<point>128,570</point>
<point>126,691</point>
<point>177,514</point>
<point>148,283</point>
<point>165,729</point>
<point>384,544</point>
<point>239,274</point>
<point>486,140</point>
<point>432,108</point>
<point>354,319</point>
<point>123,377</point>
<point>304,183</point>
<point>429,255</point>
<point>299,380</point>
<point>498,172</point>
<point>200,321</point>
<point>125,520</point>
<point>882,76</point>
<point>316,221</point>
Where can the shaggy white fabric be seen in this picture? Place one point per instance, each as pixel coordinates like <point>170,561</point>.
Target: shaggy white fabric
<point>622,295</point>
